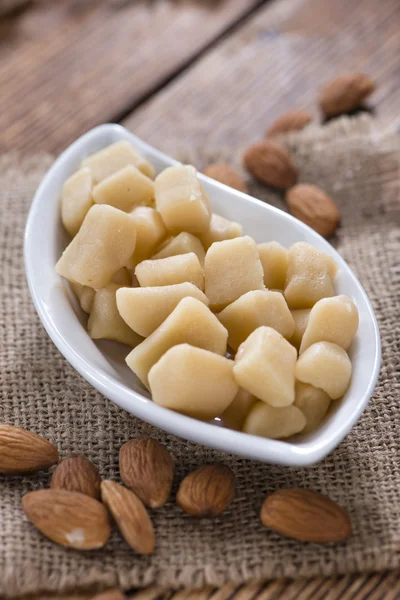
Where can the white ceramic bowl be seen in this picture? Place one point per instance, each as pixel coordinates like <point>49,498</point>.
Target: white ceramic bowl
<point>102,363</point>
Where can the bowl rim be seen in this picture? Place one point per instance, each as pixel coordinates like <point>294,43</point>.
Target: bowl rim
<point>207,434</point>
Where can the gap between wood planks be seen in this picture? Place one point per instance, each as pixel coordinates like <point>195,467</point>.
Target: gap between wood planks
<point>123,114</point>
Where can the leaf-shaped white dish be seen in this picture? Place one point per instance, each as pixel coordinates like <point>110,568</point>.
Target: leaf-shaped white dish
<point>102,363</point>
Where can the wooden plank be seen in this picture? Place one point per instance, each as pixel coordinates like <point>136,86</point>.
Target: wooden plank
<point>66,66</point>
<point>277,61</point>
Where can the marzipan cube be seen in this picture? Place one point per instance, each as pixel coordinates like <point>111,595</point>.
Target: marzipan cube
<point>171,270</point>
<point>275,423</point>
<point>193,381</point>
<point>231,269</point>
<point>308,276</point>
<point>181,200</point>
<point>252,310</point>
<point>326,366</point>
<point>125,189</point>
<point>265,365</point>
<point>102,246</point>
<point>76,199</point>
<point>236,413</point>
<point>105,322</point>
<point>274,259</point>
<point>183,243</point>
<point>114,158</point>
<point>313,403</point>
<point>220,229</point>
<point>331,320</point>
<point>145,308</point>
<point>191,322</point>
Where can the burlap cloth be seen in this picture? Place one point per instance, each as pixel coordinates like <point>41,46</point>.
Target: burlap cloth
<point>360,166</point>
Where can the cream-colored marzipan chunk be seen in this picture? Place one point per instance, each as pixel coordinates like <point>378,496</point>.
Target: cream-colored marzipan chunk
<point>331,320</point>
<point>191,322</point>
<point>326,366</point>
<point>114,158</point>
<point>313,403</point>
<point>84,294</point>
<point>105,322</point>
<point>274,260</point>
<point>76,199</point>
<point>145,308</point>
<point>183,243</point>
<point>275,423</point>
<point>252,310</point>
<point>220,229</point>
<point>102,246</point>
<point>150,232</point>
<point>171,270</point>
<point>308,277</point>
<point>125,189</point>
<point>300,318</point>
<point>193,381</point>
<point>181,200</point>
<point>231,269</point>
<point>236,413</point>
<point>265,365</point>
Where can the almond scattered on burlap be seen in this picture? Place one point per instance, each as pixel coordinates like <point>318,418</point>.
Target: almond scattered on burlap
<point>208,491</point>
<point>271,163</point>
<point>225,174</point>
<point>77,474</point>
<point>22,451</point>
<point>292,120</point>
<point>305,516</point>
<point>314,207</point>
<point>345,93</point>
<point>68,518</point>
<point>147,468</point>
<point>130,516</point>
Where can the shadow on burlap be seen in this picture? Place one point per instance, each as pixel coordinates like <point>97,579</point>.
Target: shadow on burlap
<point>360,167</point>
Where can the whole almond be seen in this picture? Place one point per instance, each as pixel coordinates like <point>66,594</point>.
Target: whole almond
<point>271,163</point>
<point>345,93</point>
<point>68,518</point>
<point>22,451</point>
<point>314,207</point>
<point>208,491</point>
<point>147,468</point>
<point>130,516</point>
<point>306,516</point>
<point>225,174</point>
<point>77,474</point>
<point>292,120</point>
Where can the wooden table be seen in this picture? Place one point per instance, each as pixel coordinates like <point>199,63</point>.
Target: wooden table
<point>208,71</point>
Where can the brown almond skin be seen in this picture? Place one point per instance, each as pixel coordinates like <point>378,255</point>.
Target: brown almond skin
<point>292,120</point>
<point>71,519</point>
<point>130,516</point>
<point>114,594</point>
<point>314,207</point>
<point>306,516</point>
<point>225,174</point>
<point>271,163</point>
<point>22,451</point>
<point>147,468</point>
<point>345,93</point>
<point>77,474</point>
<point>208,491</point>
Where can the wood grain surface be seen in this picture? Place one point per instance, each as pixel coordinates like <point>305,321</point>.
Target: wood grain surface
<point>276,61</point>
<point>66,66</point>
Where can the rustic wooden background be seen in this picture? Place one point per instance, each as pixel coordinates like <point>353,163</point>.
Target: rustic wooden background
<point>200,71</point>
